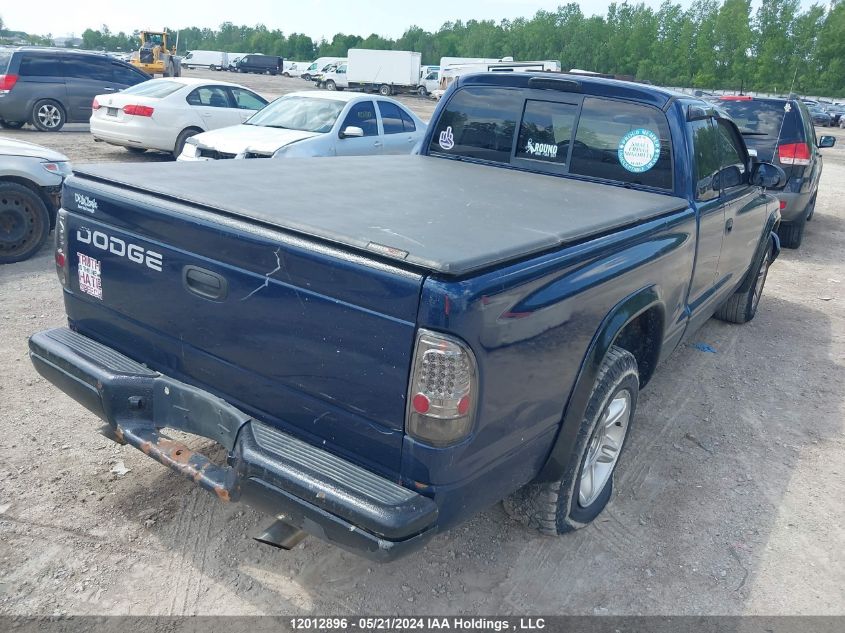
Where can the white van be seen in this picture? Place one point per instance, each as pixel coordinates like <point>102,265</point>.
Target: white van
<point>318,66</point>
<point>294,69</point>
<point>213,60</point>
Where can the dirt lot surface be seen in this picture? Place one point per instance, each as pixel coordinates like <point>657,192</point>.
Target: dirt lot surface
<point>729,499</point>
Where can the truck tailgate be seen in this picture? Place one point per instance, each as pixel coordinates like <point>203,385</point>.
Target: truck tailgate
<point>299,334</point>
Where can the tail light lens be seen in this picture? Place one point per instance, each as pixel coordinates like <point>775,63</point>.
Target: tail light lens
<point>794,154</point>
<point>95,105</point>
<point>61,256</point>
<point>138,110</point>
<point>443,390</point>
<point>7,82</point>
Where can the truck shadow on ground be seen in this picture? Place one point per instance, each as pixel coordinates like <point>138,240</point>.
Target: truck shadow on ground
<point>703,497</point>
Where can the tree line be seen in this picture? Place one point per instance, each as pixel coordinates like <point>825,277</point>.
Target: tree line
<point>711,44</point>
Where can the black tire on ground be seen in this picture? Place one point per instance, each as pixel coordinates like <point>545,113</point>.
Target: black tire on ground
<point>742,306</point>
<point>24,222</point>
<point>12,125</point>
<point>286,74</point>
<point>385,91</point>
<point>306,77</point>
<point>331,85</point>
<point>184,135</point>
<point>555,507</point>
<point>136,150</point>
<point>48,115</point>
<point>791,234</point>
<point>421,91</point>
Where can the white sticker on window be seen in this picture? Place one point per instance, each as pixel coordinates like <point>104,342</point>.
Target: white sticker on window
<point>89,276</point>
<point>639,150</point>
<point>540,150</point>
<point>447,140</point>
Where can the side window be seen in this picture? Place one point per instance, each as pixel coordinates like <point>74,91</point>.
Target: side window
<point>41,66</point>
<point>391,118</point>
<point>625,142</point>
<point>478,122</point>
<point>705,142</point>
<point>247,100</point>
<point>89,67</point>
<point>546,131</point>
<point>211,96</point>
<point>733,167</point>
<point>407,121</point>
<point>809,128</point>
<point>127,75</point>
<point>363,115</point>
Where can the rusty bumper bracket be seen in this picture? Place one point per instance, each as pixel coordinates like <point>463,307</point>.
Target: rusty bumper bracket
<point>221,480</point>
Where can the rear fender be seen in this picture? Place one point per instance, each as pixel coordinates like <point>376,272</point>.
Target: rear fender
<point>620,316</point>
<point>768,236</point>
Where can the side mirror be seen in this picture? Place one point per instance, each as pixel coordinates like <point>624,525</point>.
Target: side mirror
<point>767,175</point>
<point>351,131</point>
<point>827,141</point>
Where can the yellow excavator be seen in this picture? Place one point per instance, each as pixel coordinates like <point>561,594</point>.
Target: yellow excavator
<point>155,56</point>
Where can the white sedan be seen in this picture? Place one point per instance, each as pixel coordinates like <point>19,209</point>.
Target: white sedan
<point>312,123</point>
<point>163,113</point>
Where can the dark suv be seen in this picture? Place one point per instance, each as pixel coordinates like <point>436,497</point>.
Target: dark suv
<point>49,87</point>
<point>781,131</point>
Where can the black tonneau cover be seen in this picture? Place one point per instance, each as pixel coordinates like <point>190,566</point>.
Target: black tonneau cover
<point>446,216</point>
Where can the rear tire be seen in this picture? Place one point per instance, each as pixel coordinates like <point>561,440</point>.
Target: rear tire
<point>24,222</point>
<point>330,85</point>
<point>742,306</point>
<point>184,135</point>
<point>48,116</point>
<point>579,497</point>
<point>422,92</point>
<point>791,234</point>
<point>385,90</point>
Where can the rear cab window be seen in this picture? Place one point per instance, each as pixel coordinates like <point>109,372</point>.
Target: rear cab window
<point>565,134</point>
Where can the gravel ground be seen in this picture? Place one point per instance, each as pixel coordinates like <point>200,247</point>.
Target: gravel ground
<point>729,499</point>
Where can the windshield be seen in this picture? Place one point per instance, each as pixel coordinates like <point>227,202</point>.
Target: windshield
<point>307,114</point>
<point>155,88</point>
<point>763,118</point>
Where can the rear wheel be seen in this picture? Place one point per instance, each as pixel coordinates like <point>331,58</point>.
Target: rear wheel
<point>579,497</point>
<point>184,135</point>
<point>385,90</point>
<point>306,77</point>
<point>742,306</point>
<point>421,91</point>
<point>330,85</point>
<point>24,222</point>
<point>791,234</point>
<point>48,116</point>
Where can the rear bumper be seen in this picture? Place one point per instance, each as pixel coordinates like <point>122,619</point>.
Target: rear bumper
<point>304,486</point>
<point>796,204</point>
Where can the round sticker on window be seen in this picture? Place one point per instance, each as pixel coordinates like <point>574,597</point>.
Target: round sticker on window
<point>639,150</point>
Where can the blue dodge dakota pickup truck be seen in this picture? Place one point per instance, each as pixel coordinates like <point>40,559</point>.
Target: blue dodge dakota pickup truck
<point>378,366</point>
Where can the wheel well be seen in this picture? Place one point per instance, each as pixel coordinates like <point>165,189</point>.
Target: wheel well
<point>35,189</point>
<point>643,337</point>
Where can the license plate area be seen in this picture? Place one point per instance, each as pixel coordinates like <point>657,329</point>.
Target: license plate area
<point>111,111</point>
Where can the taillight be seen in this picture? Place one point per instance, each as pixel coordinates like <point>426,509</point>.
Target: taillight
<point>61,255</point>
<point>7,82</point>
<point>782,205</point>
<point>95,105</point>
<point>794,154</point>
<point>138,110</point>
<point>443,390</point>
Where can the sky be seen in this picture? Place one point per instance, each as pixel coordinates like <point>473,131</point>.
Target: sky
<point>315,18</point>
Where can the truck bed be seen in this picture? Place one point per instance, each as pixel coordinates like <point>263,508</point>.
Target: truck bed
<point>444,216</point>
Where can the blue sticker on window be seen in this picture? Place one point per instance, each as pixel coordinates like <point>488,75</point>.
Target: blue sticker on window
<point>639,150</point>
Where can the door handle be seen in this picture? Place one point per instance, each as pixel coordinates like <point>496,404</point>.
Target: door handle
<point>729,225</point>
<point>204,283</point>
<point>109,89</point>
<point>377,144</point>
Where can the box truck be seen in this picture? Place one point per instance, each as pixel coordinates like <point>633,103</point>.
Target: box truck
<point>387,72</point>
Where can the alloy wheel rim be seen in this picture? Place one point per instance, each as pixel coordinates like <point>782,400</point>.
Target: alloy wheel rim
<point>603,450</point>
<point>49,115</point>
